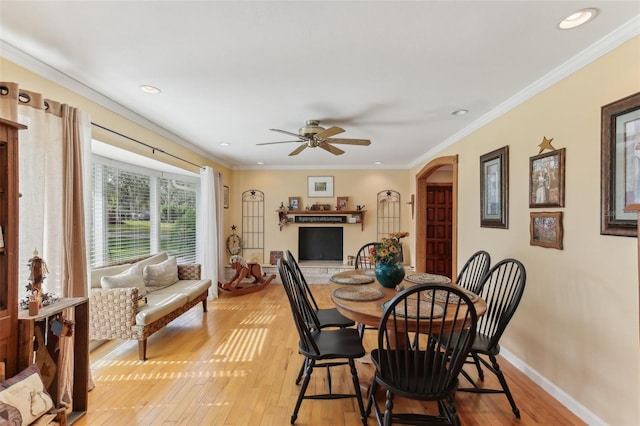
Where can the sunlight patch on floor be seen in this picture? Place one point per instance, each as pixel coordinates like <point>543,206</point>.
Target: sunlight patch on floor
<point>165,376</point>
<point>243,345</point>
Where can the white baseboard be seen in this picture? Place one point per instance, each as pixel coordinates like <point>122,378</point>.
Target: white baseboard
<point>564,398</point>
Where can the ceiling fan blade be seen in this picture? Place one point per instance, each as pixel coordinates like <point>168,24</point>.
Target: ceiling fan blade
<point>298,150</point>
<point>286,133</point>
<point>350,141</point>
<point>332,149</point>
<point>272,143</point>
<point>333,130</point>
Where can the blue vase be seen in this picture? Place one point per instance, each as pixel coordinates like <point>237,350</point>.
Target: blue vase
<point>389,275</point>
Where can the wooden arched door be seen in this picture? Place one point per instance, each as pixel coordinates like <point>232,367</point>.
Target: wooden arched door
<point>422,202</point>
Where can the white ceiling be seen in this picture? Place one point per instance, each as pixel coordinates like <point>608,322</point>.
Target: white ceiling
<point>388,71</point>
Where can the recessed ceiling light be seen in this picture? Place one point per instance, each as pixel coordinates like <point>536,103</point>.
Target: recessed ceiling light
<point>578,18</point>
<point>149,89</point>
<point>224,144</point>
<point>260,163</point>
<point>459,112</point>
<point>377,163</point>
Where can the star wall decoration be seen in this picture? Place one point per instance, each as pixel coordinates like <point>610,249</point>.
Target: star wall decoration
<point>545,144</point>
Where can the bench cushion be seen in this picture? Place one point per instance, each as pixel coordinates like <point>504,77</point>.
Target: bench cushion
<point>159,305</point>
<point>190,288</point>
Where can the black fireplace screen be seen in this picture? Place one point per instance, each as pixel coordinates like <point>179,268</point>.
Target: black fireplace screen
<point>320,243</point>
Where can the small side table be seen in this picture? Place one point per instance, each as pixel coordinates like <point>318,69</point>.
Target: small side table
<point>26,332</point>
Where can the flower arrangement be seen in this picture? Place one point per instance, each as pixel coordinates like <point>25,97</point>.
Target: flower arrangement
<point>388,250</point>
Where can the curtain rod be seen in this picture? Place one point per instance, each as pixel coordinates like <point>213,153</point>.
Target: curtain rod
<point>153,148</point>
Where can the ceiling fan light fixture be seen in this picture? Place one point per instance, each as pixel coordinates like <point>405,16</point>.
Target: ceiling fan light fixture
<point>578,18</point>
<point>311,128</point>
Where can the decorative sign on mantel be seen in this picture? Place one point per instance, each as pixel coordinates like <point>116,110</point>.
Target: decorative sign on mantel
<point>320,219</point>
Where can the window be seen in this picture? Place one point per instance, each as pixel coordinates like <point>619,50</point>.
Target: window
<point>137,212</point>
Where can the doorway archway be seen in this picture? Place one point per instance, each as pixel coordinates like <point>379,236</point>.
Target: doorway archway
<point>421,211</point>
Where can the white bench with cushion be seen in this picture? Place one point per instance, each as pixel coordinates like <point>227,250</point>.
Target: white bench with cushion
<point>134,300</point>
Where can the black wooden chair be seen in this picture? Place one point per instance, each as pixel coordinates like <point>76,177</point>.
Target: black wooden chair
<point>421,359</point>
<point>473,272</point>
<point>502,289</point>
<point>321,347</point>
<point>362,260</point>
<point>326,317</point>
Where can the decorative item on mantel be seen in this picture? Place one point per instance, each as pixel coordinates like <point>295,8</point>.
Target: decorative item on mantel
<point>37,298</point>
<point>282,216</point>
<point>387,257</point>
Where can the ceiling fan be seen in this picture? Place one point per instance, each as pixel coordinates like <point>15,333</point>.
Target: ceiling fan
<point>312,136</point>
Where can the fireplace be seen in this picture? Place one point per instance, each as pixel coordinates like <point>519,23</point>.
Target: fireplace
<point>320,243</point>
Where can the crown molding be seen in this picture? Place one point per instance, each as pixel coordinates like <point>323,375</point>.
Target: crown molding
<point>44,70</point>
<point>606,44</point>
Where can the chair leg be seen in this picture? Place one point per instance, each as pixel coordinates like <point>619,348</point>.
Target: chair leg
<point>361,330</point>
<point>388,409</point>
<point>448,410</point>
<point>301,372</point>
<point>309,363</point>
<point>356,386</point>
<point>372,396</point>
<point>330,390</point>
<point>505,386</point>
<point>476,361</point>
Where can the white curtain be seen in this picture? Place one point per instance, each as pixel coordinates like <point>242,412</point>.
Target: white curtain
<point>210,228</point>
<point>51,218</point>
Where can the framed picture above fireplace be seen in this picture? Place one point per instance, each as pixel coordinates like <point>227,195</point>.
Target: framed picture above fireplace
<point>320,186</point>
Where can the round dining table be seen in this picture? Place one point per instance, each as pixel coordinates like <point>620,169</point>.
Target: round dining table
<point>358,296</point>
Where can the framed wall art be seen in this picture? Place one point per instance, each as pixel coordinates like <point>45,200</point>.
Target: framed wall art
<point>343,203</point>
<point>620,167</point>
<point>546,179</point>
<point>494,189</point>
<point>320,186</point>
<point>226,197</point>
<point>545,229</point>
<point>295,203</point>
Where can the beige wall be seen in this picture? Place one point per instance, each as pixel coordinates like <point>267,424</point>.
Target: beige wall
<point>361,186</point>
<point>577,325</point>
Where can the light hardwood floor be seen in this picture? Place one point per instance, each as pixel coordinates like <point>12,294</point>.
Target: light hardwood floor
<point>236,365</point>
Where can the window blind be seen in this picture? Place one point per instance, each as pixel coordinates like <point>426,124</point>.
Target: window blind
<point>137,212</point>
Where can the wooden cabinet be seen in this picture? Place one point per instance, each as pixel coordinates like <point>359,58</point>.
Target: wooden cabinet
<point>9,250</point>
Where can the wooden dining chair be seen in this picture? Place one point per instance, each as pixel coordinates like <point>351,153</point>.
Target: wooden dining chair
<point>417,355</point>
<point>321,348</point>
<point>474,270</point>
<point>502,289</point>
<point>324,317</point>
<point>363,260</point>
<point>327,317</point>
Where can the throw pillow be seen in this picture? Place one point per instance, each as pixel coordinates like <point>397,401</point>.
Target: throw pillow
<point>161,274</point>
<point>26,394</point>
<point>132,277</point>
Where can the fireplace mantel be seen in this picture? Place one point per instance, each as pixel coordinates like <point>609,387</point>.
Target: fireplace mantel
<point>353,217</point>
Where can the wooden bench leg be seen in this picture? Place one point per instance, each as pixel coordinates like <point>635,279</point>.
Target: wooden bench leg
<point>204,305</point>
<point>142,349</point>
